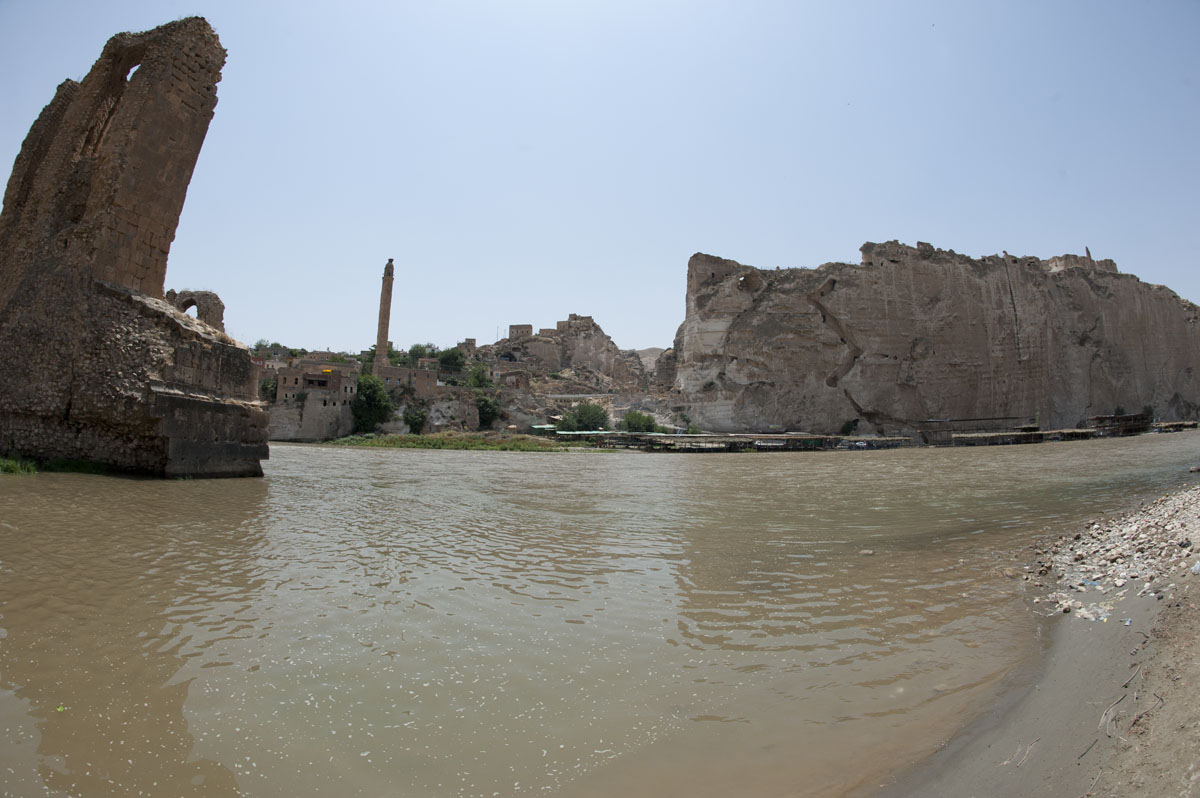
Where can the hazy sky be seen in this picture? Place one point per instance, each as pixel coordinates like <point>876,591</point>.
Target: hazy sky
<point>528,159</point>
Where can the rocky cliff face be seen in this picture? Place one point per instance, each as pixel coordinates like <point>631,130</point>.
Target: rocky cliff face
<point>920,333</point>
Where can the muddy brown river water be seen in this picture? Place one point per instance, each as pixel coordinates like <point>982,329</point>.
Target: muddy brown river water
<point>430,623</point>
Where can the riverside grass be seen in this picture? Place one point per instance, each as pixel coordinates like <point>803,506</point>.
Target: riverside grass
<point>454,440</point>
<point>10,466</point>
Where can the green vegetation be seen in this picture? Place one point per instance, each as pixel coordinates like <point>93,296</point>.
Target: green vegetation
<point>266,390</point>
<point>415,416</point>
<point>367,358</point>
<point>488,407</point>
<point>478,377</point>
<point>452,360</point>
<point>635,421</point>
<point>11,466</point>
<point>455,440</point>
<point>418,351</point>
<point>56,464</point>
<point>68,466</point>
<point>584,417</point>
<point>371,406</point>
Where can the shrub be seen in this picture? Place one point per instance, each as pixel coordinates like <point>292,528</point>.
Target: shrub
<point>415,417</point>
<point>478,378</point>
<point>635,421</point>
<point>585,416</point>
<point>489,410</point>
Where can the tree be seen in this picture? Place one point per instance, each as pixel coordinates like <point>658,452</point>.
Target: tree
<point>584,417</point>
<point>266,390</point>
<point>371,406</point>
<point>489,409</point>
<point>452,360</point>
<point>261,343</point>
<point>418,351</point>
<point>478,377</point>
<point>415,416</point>
<point>638,422</point>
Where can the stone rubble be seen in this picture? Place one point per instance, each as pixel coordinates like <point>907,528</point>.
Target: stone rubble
<point>1146,552</point>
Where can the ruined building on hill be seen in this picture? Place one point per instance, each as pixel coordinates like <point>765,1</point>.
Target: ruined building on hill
<point>101,366</point>
<point>576,344</point>
<point>917,335</point>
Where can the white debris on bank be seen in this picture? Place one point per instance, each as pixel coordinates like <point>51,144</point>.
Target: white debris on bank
<point>1146,551</point>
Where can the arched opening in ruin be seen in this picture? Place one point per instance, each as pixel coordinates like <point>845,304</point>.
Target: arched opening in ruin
<point>120,71</point>
<point>190,308</point>
<point>750,281</point>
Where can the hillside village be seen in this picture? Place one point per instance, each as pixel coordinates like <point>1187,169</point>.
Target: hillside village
<point>531,378</point>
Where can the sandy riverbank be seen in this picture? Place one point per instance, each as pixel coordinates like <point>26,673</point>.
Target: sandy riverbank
<point>1114,709</point>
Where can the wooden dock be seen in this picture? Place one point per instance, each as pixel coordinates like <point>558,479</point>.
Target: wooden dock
<point>707,442</point>
<point>805,442</point>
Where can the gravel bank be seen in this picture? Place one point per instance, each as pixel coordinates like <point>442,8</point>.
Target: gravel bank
<point>1115,708</point>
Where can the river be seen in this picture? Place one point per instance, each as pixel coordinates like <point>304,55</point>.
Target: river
<point>437,623</point>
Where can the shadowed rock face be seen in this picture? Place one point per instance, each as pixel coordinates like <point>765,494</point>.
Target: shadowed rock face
<point>99,366</point>
<point>919,333</point>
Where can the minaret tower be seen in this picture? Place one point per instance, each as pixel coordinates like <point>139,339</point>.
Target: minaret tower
<point>385,317</point>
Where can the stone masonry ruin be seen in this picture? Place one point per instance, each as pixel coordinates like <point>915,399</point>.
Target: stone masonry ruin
<point>101,366</point>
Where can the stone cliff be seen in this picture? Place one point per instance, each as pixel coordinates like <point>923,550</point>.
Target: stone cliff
<point>99,365</point>
<point>913,334</point>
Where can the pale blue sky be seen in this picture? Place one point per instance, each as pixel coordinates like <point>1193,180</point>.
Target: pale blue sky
<point>524,160</point>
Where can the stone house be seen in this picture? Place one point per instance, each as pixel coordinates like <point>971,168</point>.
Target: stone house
<point>313,398</point>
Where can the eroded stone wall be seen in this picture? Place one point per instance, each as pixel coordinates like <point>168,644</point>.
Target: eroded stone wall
<point>920,333</point>
<point>103,369</point>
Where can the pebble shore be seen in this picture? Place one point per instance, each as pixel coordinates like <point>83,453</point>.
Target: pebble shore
<point>1146,551</point>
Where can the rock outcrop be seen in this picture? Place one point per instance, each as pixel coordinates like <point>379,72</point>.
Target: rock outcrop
<point>914,334</point>
<point>577,344</point>
<point>98,365</point>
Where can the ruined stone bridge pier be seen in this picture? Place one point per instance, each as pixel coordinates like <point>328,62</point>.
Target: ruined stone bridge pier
<point>100,366</point>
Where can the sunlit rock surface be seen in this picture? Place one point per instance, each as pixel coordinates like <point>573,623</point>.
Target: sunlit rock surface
<point>913,334</point>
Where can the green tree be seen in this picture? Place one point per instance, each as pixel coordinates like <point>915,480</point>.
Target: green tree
<point>585,417</point>
<point>261,343</point>
<point>635,421</point>
<point>266,390</point>
<point>478,376</point>
<point>418,351</point>
<point>415,416</point>
<point>371,406</point>
<point>489,409</point>
<point>452,360</point>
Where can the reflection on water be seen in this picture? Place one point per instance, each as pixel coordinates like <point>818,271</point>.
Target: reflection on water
<point>107,589</point>
<point>458,623</point>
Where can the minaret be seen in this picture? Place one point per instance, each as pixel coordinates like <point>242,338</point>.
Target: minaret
<point>385,316</point>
